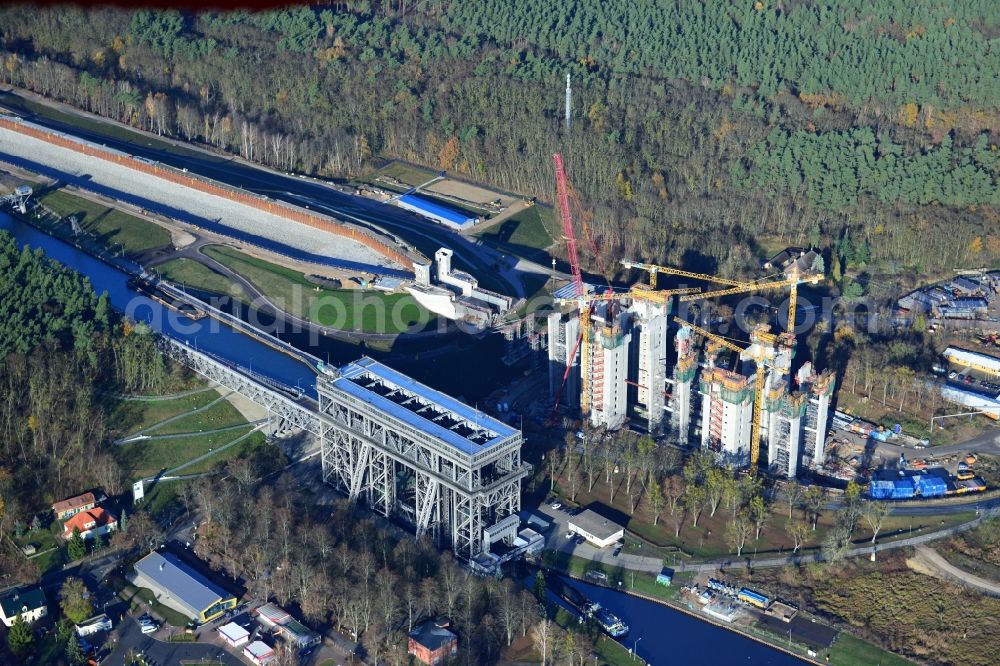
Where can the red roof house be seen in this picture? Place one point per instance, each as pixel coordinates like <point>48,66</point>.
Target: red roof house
<point>91,523</point>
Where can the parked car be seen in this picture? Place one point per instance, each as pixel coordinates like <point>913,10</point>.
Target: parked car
<point>618,550</point>
<point>556,506</point>
<point>147,628</point>
<point>569,535</point>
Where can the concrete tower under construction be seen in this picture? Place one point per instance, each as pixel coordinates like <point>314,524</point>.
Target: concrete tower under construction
<point>563,333</point>
<point>650,320</point>
<point>727,415</point>
<point>606,364</point>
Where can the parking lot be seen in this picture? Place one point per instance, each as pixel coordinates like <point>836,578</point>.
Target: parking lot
<point>555,539</point>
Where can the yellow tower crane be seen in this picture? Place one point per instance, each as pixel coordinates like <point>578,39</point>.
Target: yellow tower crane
<point>762,351</point>
<point>792,281</point>
<point>654,270</point>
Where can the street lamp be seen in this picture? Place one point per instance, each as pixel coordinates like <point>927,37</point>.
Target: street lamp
<point>635,647</point>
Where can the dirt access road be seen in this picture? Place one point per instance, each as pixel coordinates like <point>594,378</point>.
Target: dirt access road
<point>927,560</point>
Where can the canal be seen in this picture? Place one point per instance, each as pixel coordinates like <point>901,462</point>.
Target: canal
<point>662,635</point>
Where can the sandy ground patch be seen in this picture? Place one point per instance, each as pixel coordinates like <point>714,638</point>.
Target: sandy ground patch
<point>470,193</point>
<point>250,410</point>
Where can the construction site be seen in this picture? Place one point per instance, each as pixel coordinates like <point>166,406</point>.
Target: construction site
<point>619,358</point>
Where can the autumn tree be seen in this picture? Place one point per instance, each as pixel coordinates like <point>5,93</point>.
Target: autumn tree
<point>797,532</point>
<point>74,600</point>
<point>874,513</point>
<point>738,531</point>
<point>759,513</point>
<point>813,500</point>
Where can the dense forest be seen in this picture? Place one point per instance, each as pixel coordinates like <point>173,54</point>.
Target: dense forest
<point>62,350</point>
<point>700,130</point>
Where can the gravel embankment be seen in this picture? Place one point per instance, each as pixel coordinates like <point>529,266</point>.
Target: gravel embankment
<point>171,199</point>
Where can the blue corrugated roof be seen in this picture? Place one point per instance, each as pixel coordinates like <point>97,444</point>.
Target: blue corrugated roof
<point>436,209</point>
<point>182,582</point>
<point>368,365</point>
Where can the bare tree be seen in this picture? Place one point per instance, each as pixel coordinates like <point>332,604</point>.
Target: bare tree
<point>797,531</point>
<point>874,513</point>
<point>793,494</point>
<point>738,531</point>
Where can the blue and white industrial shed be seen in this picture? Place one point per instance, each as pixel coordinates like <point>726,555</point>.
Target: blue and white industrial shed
<point>437,212</point>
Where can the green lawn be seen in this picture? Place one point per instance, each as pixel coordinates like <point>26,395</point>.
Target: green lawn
<point>190,273</point>
<point>146,458</point>
<point>108,224</point>
<point>143,598</point>
<point>527,228</point>
<point>252,443</point>
<point>43,540</point>
<point>129,416</point>
<point>220,415</point>
<point>342,309</point>
<point>405,173</point>
<point>164,496</point>
<point>849,650</point>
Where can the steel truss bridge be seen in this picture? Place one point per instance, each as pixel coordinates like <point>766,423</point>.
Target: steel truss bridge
<point>288,408</point>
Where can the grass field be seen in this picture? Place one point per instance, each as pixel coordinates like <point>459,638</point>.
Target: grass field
<point>343,309</point>
<point>220,415</point>
<point>190,273</point>
<point>252,443</point>
<point>529,228</point>
<point>141,598</point>
<point>130,416</point>
<point>404,173</point>
<point>109,225</point>
<point>146,458</point>
<point>849,650</point>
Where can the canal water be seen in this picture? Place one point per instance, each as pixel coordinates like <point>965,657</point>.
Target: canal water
<point>206,334</point>
<point>664,636</point>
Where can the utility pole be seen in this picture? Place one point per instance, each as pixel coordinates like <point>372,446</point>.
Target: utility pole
<point>569,100</point>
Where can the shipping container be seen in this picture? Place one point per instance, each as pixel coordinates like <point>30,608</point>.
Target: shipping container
<point>757,599</point>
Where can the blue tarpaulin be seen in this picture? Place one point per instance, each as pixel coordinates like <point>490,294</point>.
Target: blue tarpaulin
<point>436,211</point>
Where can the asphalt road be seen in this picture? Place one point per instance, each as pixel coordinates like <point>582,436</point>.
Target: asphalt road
<point>160,652</point>
<point>424,236</point>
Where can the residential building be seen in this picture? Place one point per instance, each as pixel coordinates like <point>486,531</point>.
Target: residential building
<point>28,602</point>
<point>74,505</point>
<point>92,523</point>
<point>596,529</point>
<point>179,586</point>
<point>432,642</point>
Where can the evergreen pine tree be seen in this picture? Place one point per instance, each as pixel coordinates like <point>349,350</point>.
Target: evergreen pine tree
<point>74,653</point>
<point>76,548</point>
<point>19,637</point>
